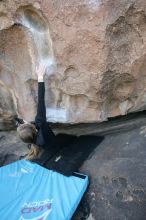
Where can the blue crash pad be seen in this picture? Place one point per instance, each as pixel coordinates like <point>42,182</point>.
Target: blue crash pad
<point>31,192</point>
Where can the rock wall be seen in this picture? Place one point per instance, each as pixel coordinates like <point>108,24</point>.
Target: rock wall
<point>96,55</point>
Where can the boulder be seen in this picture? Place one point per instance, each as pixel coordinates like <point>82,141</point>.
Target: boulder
<point>95,52</point>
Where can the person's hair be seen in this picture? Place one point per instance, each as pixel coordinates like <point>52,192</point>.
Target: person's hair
<point>34,152</point>
<point>27,133</point>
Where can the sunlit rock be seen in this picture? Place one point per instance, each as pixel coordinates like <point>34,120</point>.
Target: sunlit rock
<point>95,52</point>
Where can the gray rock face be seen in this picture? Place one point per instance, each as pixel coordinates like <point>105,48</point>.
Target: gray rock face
<point>95,51</point>
<point>117,188</point>
<point>116,170</point>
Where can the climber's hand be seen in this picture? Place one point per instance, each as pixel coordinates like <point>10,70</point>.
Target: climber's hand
<point>40,71</point>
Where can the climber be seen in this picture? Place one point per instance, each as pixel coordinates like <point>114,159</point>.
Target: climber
<point>38,134</point>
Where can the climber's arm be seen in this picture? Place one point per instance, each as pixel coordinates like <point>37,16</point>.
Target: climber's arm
<point>40,119</point>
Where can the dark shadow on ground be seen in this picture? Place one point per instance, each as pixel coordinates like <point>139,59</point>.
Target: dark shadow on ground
<point>117,172</point>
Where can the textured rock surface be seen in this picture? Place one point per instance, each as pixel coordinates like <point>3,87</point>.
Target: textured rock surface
<point>117,188</point>
<point>100,53</point>
<point>116,169</point>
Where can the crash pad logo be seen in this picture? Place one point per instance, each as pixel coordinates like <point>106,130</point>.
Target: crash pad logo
<point>38,210</point>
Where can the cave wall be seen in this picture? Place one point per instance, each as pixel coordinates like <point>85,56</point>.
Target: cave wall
<point>96,54</point>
